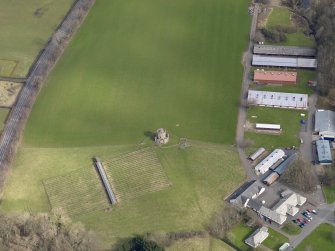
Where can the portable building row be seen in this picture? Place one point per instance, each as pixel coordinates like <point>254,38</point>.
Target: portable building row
<point>276,156</point>
<point>278,99</point>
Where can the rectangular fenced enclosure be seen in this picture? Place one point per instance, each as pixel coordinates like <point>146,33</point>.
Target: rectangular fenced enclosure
<point>78,192</point>
<point>135,174</point>
<point>131,175</point>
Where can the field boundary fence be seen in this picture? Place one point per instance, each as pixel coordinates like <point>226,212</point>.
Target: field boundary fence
<point>38,73</point>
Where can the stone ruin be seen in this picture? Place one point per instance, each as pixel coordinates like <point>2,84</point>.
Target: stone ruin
<point>161,137</point>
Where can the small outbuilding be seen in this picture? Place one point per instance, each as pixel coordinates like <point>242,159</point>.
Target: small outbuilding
<point>162,137</point>
<point>257,154</point>
<point>270,127</point>
<point>257,237</point>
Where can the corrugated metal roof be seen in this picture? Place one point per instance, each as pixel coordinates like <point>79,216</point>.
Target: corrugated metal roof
<point>275,76</point>
<point>284,50</point>
<point>324,122</point>
<point>258,153</point>
<point>278,99</point>
<point>324,151</point>
<point>286,163</point>
<point>293,62</point>
<point>269,161</point>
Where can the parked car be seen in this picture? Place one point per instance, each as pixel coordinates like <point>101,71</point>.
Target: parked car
<point>314,212</point>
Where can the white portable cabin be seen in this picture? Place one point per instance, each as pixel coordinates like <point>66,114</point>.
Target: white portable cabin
<point>257,154</point>
<point>269,161</point>
<point>274,127</point>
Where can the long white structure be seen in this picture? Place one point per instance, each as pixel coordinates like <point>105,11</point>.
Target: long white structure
<point>257,154</point>
<point>269,161</point>
<point>262,126</point>
<point>291,62</point>
<point>278,99</point>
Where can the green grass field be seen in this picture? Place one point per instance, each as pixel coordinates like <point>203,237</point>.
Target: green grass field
<point>319,238</point>
<point>291,229</point>
<point>133,67</point>
<point>282,16</point>
<point>275,240</point>
<point>25,28</point>
<point>239,233</point>
<point>329,192</point>
<point>237,236</point>
<point>200,176</point>
<point>137,66</point>
<point>290,128</point>
<point>199,244</point>
<point>3,116</point>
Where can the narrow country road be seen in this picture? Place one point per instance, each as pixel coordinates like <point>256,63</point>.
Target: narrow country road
<point>247,56</point>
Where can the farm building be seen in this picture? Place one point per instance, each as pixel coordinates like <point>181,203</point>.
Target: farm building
<point>325,124</point>
<point>275,77</point>
<point>278,99</point>
<point>248,199</point>
<point>257,154</point>
<point>290,62</point>
<point>254,190</point>
<point>274,157</point>
<point>285,164</point>
<point>284,50</point>
<point>257,237</point>
<point>288,203</point>
<point>324,152</point>
<point>271,178</point>
<point>272,127</point>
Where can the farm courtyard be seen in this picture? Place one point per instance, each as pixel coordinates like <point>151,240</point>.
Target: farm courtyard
<point>133,67</point>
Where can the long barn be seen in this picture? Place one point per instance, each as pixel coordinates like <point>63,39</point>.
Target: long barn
<point>290,62</point>
<point>284,50</point>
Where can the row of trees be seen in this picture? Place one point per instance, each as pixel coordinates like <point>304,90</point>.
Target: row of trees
<point>321,18</point>
<point>45,232</point>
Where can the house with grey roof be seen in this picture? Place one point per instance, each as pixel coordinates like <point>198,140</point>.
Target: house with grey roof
<point>325,124</point>
<point>257,237</point>
<point>324,152</point>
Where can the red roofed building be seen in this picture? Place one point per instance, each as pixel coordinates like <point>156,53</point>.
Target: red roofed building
<point>275,77</point>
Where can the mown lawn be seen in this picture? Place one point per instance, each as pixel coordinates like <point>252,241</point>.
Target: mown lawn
<point>200,177</point>
<point>288,119</point>
<point>3,116</point>
<point>25,28</point>
<point>237,236</point>
<point>291,228</point>
<point>319,239</point>
<point>136,66</point>
<point>274,240</point>
<point>199,244</point>
<point>329,192</point>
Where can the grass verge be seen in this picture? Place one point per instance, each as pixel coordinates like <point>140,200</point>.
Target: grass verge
<point>320,238</point>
